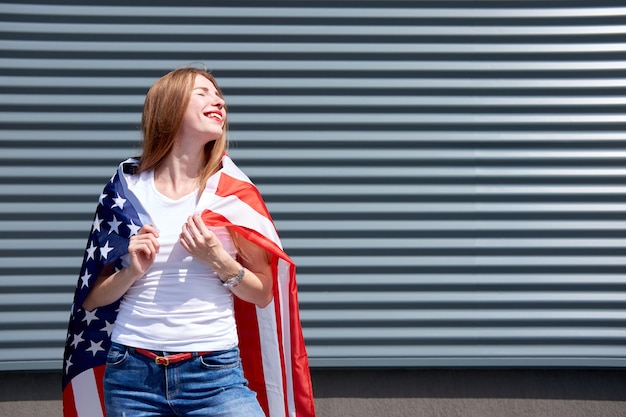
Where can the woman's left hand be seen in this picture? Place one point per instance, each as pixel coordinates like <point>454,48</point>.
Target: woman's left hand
<point>201,242</point>
<point>204,245</point>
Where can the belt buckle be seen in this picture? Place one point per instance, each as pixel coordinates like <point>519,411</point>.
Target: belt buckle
<point>162,360</point>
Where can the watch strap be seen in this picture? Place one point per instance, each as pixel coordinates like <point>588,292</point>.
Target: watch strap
<point>234,281</point>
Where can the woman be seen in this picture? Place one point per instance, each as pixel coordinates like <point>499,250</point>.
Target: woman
<point>175,280</point>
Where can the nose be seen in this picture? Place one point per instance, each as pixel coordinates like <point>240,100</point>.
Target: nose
<point>218,102</point>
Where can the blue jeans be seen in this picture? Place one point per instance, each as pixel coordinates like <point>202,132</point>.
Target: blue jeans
<point>209,385</point>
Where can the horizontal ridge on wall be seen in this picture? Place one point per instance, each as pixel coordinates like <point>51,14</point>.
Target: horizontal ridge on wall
<point>448,176</point>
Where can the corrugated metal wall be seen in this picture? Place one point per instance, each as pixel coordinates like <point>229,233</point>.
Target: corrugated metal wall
<point>449,175</point>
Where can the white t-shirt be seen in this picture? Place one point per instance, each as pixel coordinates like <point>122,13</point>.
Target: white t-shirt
<point>179,305</point>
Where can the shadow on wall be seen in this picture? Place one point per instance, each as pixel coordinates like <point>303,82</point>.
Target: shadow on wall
<point>30,386</point>
<point>553,384</point>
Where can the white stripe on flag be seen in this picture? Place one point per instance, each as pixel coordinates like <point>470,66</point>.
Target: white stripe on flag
<point>240,213</point>
<point>283,280</point>
<point>86,395</point>
<point>272,367</point>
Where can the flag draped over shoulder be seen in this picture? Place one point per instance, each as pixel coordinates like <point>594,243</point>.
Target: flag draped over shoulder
<point>270,339</point>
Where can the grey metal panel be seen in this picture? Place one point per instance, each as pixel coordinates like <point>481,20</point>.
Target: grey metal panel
<point>449,176</point>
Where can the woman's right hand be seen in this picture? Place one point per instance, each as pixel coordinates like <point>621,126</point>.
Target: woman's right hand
<point>110,286</point>
<point>142,250</point>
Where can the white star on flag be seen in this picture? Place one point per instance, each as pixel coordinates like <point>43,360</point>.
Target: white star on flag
<point>108,327</point>
<point>96,223</point>
<point>134,229</point>
<point>91,250</point>
<point>77,339</point>
<point>85,279</point>
<point>119,202</point>
<point>101,198</point>
<point>114,224</point>
<point>95,347</point>
<point>90,316</point>
<point>104,251</point>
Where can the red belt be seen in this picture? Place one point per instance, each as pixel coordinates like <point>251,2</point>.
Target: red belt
<point>170,359</point>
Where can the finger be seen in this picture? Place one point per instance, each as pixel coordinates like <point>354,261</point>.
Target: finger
<point>192,226</point>
<point>147,240</point>
<point>197,220</point>
<point>152,244</point>
<point>148,248</point>
<point>207,233</point>
<point>187,231</point>
<point>184,243</point>
<point>149,229</point>
<point>187,239</point>
<point>148,236</point>
<point>198,232</point>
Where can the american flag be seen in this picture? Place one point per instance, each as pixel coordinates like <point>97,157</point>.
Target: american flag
<point>271,342</point>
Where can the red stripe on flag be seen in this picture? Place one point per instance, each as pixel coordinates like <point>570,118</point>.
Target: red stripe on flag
<point>69,407</point>
<point>250,348</point>
<point>303,394</point>
<point>245,191</point>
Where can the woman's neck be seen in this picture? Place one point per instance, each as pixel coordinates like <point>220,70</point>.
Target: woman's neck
<point>178,176</point>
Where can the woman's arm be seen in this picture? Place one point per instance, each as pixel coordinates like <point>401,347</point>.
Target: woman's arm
<point>257,279</point>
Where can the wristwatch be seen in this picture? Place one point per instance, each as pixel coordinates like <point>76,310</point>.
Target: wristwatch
<point>234,281</point>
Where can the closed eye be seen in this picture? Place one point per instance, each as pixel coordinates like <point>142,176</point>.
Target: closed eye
<point>201,91</point>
